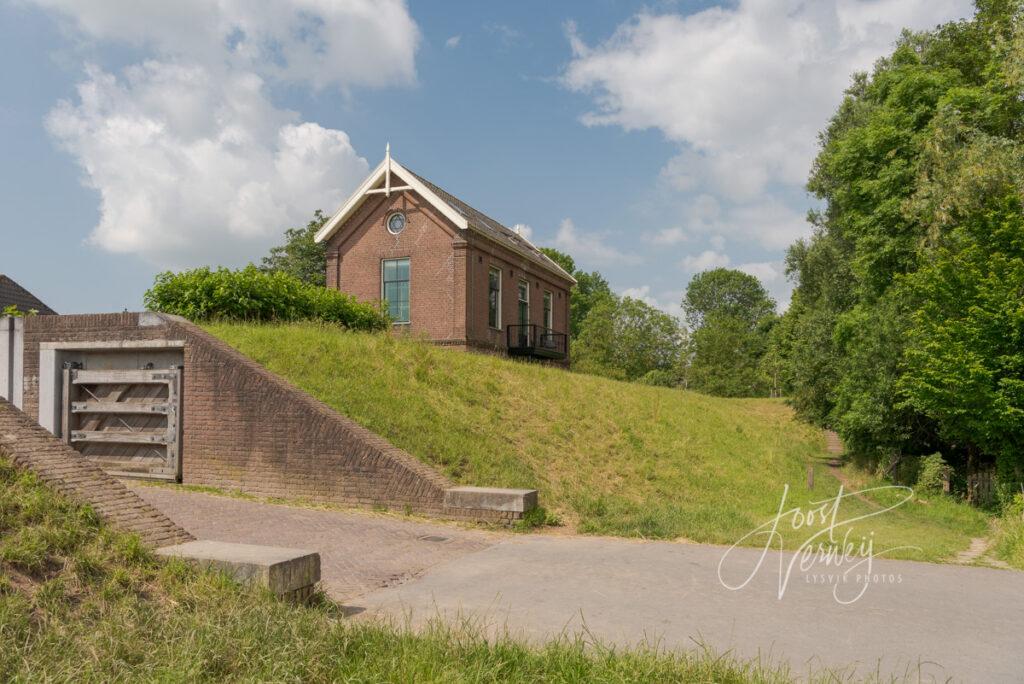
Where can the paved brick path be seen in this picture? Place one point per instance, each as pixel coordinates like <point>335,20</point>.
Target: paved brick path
<point>359,552</point>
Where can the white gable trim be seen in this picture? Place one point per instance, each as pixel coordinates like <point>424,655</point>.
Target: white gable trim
<point>383,169</point>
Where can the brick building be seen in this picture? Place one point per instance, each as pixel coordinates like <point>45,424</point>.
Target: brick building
<point>446,270</point>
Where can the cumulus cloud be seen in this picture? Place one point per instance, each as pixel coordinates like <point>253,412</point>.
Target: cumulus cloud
<point>195,167</point>
<point>453,42</point>
<point>740,92</point>
<point>192,160</point>
<point>524,230</point>
<point>589,248</point>
<point>743,89</point>
<point>765,271</point>
<point>320,42</point>
<point>705,261</point>
<point>668,236</point>
<point>669,302</point>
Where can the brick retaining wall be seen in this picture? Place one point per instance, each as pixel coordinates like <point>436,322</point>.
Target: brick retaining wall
<point>248,429</point>
<point>63,469</point>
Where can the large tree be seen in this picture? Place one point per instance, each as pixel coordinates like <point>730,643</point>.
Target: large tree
<point>725,292</point>
<point>627,339</point>
<point>590,289</point>
<point>300,255</point>
<point>905,328</point>
<point>730,316</point>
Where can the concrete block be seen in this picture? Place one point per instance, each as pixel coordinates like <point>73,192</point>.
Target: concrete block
<point>491,499</point>
<point>279,569</point>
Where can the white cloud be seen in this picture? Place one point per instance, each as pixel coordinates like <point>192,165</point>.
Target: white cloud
<point>765,271</point>
<point>743,89</point>
<point>505,33</point>
<point>196,168</point>
<point>320,42</point>
<point>524,230</point>
<point>192,160</point>
<point>587,248</point>
<point>453,42</point>
<point>668,236</point>
<point>669,302</point>
<point>705,261</point>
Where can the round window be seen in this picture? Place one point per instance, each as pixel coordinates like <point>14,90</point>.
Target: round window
<point>396,223</point>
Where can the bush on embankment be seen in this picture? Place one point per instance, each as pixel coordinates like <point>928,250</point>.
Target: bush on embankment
<point>250,294</point>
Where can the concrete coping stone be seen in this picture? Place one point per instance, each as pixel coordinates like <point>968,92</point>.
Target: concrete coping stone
<point>281,570</point>
<point>491,499</point>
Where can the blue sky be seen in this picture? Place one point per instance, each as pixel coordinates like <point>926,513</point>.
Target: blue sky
<point>649,140</point>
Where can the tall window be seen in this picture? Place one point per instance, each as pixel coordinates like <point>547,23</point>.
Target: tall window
<point>394,288</point>
<point>548,319</point>
<point>524,302</point>
<point>494,298</point>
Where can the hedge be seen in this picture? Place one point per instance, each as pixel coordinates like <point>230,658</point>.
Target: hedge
<point>250,294</point>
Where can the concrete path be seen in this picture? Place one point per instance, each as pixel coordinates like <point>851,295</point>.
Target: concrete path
<point>931,622</point>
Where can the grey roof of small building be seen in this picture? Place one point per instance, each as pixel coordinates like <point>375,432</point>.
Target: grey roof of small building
<point>13,293</point>
<point>494,230</point>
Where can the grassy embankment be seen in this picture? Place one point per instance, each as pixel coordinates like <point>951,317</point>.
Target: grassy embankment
<point>81,602</point>
<point>610,457</point>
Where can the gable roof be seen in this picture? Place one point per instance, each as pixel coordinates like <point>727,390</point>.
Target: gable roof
<point>13,293</point>
<point>465,217</point>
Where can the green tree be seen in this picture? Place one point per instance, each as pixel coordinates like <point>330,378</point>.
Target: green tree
<point>725,292</point>
<point>590,289</point>
<point>300,255</point>
<point>627,339</point>
<point>905,328</point>
<point>730,317</point>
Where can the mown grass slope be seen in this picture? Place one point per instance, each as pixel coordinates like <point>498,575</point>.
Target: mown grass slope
<point>81,602</point>
<point>611,457</point>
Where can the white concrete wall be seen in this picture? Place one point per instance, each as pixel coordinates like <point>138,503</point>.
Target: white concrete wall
<point>12,359</point>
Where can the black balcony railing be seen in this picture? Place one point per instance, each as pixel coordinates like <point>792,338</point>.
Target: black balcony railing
<point>536,340</point>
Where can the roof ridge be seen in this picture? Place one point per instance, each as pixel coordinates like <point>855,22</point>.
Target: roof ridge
<point>511,234</point>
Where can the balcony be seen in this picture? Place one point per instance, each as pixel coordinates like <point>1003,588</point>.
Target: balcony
<point>536,341</point>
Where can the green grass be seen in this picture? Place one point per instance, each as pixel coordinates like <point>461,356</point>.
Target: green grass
<point>1009,546</point>
<point>609,457</point>
<point>81,602</point>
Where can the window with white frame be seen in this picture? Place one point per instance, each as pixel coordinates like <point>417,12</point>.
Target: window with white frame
<point>524,302</point>
<point>394,288</point>
<point>494,298</point>
<point>549,322</point>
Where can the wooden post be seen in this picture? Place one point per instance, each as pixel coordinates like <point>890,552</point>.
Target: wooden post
<point>810,476</point>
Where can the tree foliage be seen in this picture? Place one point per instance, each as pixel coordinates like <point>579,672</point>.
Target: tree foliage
<point>906,329</point>
<point>590,289</point>
<point>628,339</point>
<point>730,317</point>
<point>726,293</point>
<point>300,255</point>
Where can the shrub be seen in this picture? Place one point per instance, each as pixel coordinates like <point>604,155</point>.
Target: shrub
<point>659,378</point>
<point>933,472</point>
<point>253,295</point>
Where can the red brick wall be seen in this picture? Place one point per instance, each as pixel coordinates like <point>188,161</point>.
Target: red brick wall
<point>483,255</point>
<point>245,428</point>
<point>355,253</point>
<point>448,279</point>
<point>77,328</point>
<point>62,468</point>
